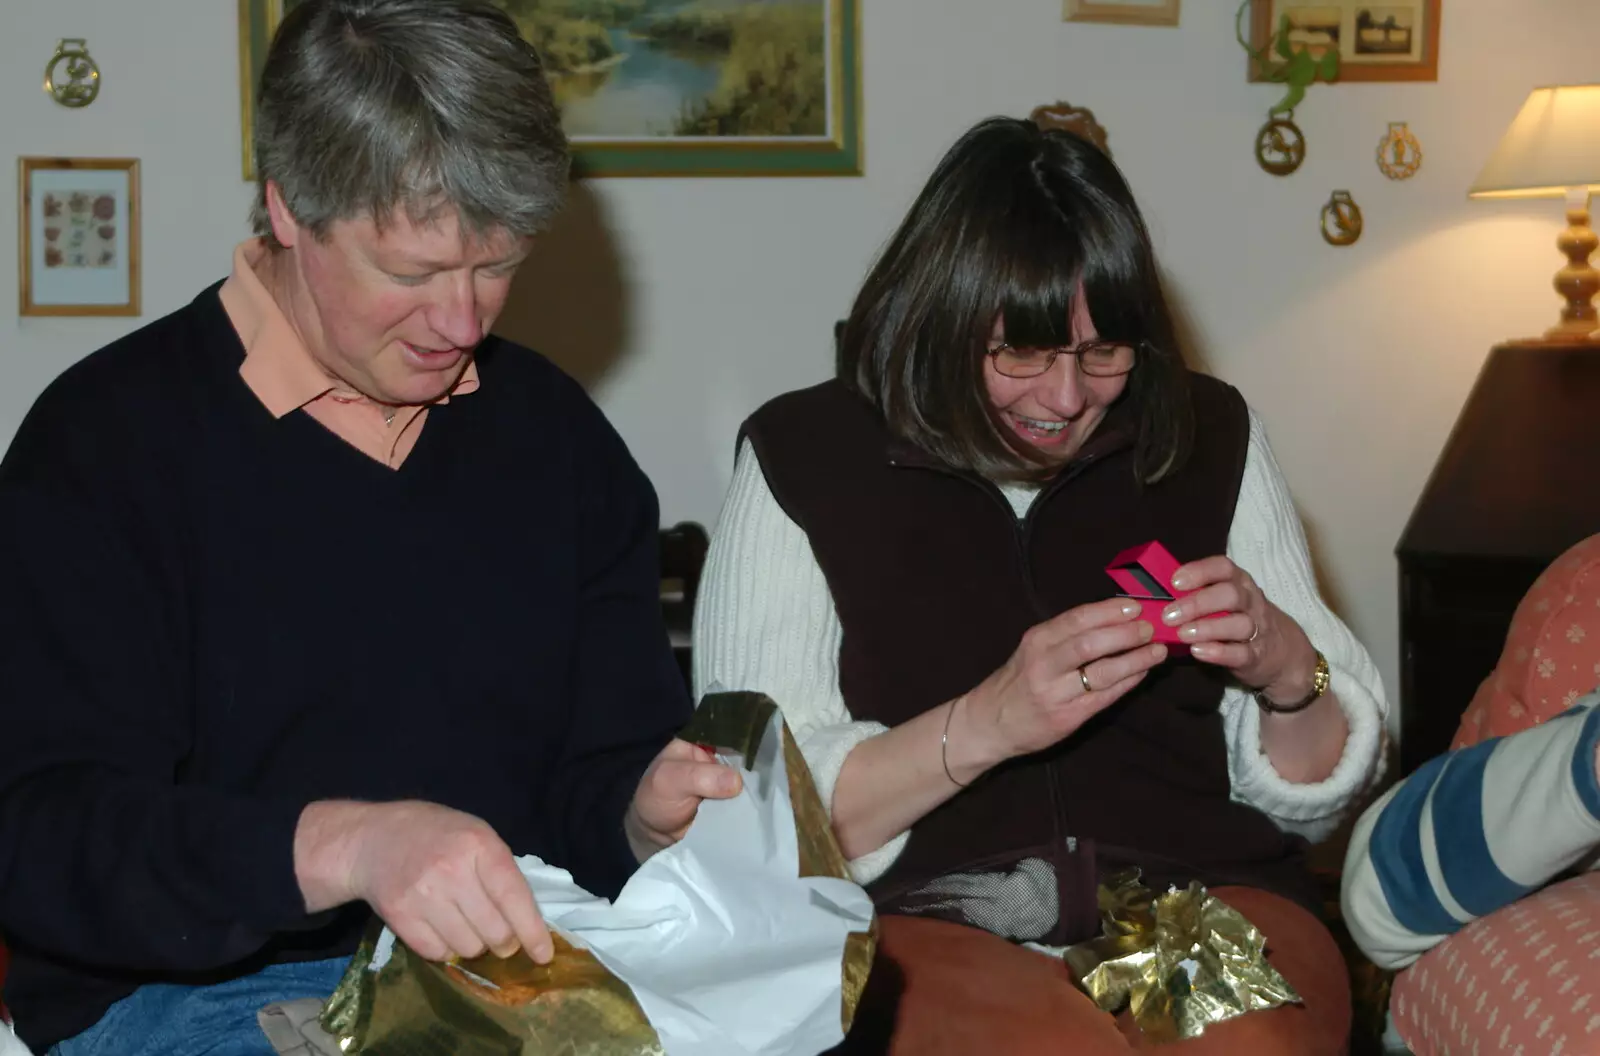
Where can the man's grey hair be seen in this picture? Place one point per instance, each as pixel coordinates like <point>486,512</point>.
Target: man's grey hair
<point>366,107</point>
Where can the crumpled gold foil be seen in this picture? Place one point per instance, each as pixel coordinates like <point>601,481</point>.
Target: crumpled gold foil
<point>1181,961</point>
<point>572,1006</point>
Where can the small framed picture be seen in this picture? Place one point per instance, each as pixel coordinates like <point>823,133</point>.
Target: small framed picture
<point>1396,41</point>
<point>78,250</point>
<point>1125,12</point>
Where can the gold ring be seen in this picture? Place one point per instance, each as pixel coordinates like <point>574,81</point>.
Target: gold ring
<point>1083,676</point>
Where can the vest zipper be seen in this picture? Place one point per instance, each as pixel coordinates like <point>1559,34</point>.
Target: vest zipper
<point>1021,529</point>
<point>1021,537</point>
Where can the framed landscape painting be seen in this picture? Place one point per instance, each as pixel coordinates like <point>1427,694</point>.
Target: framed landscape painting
<point>1394,41</point>
<point>673,87</point>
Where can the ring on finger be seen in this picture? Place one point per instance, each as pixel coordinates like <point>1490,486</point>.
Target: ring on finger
<point>1255,629</point>
<point>1083,676</point>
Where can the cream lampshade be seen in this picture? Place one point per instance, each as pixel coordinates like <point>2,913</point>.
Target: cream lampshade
<point>1552,150</point>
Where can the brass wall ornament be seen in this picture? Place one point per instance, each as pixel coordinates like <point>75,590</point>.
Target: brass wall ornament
<point>1079,120</point>
<point>1399,155</point>
<point>1280,145</point>
<point>82,81</point>
<point>1341,220</point>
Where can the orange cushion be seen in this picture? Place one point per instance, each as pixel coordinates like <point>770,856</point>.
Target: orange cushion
<point>1523,979</point>
<point>944,989</point>
<point>1552,651</point>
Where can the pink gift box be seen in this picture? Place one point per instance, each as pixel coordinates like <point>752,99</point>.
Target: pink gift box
<point>1145,574</point>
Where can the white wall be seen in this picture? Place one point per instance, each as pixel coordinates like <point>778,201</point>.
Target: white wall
<point>688,302</point>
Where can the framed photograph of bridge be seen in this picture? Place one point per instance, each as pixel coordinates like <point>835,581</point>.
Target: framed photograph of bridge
<point>1394,41</point>
<point>673,87</point>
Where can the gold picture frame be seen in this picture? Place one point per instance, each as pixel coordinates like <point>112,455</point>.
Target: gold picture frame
<point>78,236</point>
<point>1397,40</point>
<point>837,150</point>
<point>1122,12</point>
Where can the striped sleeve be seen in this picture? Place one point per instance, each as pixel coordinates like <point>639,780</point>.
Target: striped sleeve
<point>1471,831</point>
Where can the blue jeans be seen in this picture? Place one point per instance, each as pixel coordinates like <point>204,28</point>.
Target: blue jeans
<point>169,1019</point>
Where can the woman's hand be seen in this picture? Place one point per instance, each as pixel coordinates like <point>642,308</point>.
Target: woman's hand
<point>1246,633</point>
<point>1063,672</point>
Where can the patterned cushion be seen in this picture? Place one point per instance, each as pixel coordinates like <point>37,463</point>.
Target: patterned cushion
<point>1525,979</point>
<point>1552,651</point>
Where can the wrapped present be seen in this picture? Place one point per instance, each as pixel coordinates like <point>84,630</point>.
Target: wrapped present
<point>1180,961</point>
<point>745,937</point>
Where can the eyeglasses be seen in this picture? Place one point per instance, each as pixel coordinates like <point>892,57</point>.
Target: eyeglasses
<point>1099,359</point>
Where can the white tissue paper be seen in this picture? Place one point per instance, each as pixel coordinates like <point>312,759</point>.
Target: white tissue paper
<point>727,949</point>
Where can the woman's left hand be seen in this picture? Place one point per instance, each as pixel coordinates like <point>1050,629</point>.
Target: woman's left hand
<point>1245,632</point>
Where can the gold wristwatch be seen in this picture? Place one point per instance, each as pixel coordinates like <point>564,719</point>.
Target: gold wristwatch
<point>1320,677</point>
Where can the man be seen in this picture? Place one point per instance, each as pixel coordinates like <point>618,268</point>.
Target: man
<point>317,601</point>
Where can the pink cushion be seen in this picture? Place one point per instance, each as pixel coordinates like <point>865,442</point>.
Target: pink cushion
<point>1552,651</point>
<point>1525,979</point>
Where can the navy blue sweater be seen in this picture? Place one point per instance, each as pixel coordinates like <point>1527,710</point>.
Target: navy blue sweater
<point>210,618</point>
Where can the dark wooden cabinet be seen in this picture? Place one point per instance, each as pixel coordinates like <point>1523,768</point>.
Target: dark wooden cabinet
<point>1518,482</point>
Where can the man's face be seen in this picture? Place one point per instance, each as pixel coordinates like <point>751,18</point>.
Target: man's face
<point>394,314</point>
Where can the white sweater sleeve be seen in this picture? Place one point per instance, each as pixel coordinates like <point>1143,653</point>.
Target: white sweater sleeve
<point>1268,541</point>
<point>764,621</point>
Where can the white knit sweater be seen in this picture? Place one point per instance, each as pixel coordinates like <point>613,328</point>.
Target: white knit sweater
<point>765,621</point>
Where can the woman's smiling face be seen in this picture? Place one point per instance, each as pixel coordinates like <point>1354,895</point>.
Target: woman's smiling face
<point>1056,411</point>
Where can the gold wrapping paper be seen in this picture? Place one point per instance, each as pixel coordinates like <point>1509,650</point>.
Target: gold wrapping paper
<point>1181,961</point>
<point>572,1006</point>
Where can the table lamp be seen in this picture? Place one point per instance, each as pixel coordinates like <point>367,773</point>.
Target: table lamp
<point>1552,150</point>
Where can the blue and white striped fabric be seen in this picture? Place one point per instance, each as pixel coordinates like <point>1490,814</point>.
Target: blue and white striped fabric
<point>1471,831</point>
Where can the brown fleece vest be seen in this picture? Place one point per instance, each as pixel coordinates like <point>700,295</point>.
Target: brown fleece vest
<point>935,581</point>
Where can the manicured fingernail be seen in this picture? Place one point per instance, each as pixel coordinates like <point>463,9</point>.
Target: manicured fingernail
<point>1130,608</point>
<point>1172,614</point>
<point>1147,630</point>
<point>1189,632</point>
<point>1202,651</point>
<point>1180,581</point>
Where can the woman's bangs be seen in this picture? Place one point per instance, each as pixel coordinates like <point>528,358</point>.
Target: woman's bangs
<point>1120,281</point>
<point>1038,272</point>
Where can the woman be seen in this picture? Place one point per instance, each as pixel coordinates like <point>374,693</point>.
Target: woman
<point>912,562</point>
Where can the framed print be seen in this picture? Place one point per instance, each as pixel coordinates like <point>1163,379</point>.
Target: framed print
<point>1125,12</point>
<point>1394,41</point>
<point>78,245</point>
<point>668,88</point>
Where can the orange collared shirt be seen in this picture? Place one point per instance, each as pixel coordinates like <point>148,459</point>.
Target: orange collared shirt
<point>284,377</point>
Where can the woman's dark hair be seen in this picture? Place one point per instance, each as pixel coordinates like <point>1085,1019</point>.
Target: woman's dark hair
<point>1010,224</point>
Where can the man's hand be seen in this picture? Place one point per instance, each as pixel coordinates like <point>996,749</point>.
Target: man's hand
<point>670,792</point>
<point>441,879</point>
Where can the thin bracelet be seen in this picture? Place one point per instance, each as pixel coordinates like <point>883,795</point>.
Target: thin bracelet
<point>944,742</point>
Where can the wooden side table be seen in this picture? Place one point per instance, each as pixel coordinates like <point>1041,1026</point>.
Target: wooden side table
<point>1518,483</point>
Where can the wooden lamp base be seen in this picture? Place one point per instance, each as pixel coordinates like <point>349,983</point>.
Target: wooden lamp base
<point>1578,281</point>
